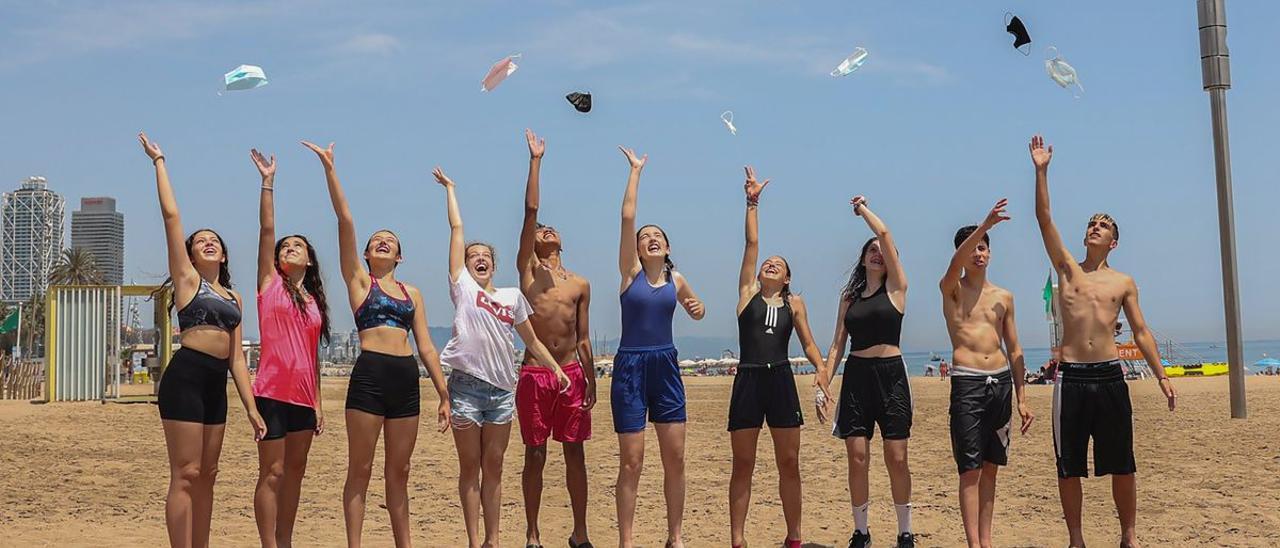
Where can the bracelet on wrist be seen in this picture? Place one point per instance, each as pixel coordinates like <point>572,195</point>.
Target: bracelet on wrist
<point>268,188</point>
<point>157,159</point>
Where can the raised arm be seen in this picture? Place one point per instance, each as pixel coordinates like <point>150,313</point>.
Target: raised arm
<point>430,357</point>
<point>751,251</point>
<point>266,217</point>
<point>525,255</point>
<point>896,277</point>
<point>1146,342</point>
<point>585,357</point>
<point>457,243</point>
<point>628,260</point>
<point>822,378</point>
<point>950,283</point>
<point>1058,254</point>
<point>688,299</point>
<point>1017,362</point>
<point>353,272</point>
<point>184,275</point>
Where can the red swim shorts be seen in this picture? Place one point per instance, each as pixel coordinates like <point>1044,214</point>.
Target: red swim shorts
<point>545,412</point>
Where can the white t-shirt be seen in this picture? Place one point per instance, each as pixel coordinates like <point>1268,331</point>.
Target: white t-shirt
<point>483,342</point>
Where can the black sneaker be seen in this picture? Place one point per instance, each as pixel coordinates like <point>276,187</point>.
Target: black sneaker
<point>906,540</point>
<point>860,539</point>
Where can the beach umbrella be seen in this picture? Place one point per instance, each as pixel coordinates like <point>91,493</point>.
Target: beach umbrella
<point>1267,362</point>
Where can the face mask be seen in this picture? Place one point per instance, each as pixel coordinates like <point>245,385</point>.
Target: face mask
<point>727,118</point>
<point>245,77</point>
<point>1014,26</point>
<point>499,72</point>
<point>1062,73</point>
<point>580,101</point>
<point>850,63</point>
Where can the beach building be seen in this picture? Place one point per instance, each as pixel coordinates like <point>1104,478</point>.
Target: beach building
<point>31,219</point>
<point>99,229</point>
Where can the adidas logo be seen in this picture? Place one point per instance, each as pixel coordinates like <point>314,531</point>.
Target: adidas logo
<point>769,331</point>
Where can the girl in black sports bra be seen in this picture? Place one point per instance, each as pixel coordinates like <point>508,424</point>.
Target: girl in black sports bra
<point>193,386</point>
<point>764,388</point>
<point>382,395</point>
<point>874,389</point>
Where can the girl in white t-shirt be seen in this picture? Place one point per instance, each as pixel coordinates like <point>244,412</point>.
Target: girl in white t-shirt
<point>482,357</point>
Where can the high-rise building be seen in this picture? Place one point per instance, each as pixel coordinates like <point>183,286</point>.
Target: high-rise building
<point>31,219</point>
<point>99,229</point>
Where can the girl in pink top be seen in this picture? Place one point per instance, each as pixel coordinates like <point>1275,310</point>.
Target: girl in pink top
<point>292,317</point>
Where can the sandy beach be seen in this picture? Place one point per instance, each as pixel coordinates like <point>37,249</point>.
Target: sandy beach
<point>96,475</point>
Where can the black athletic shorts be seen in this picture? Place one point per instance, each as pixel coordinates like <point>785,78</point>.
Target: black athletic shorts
<point>764,393</point>
<point>386,385</point>
<point>874,391</point>
<point>193,388</point>
<point>981,411</point>
<point>1092,400</point>
<point>284,418</point>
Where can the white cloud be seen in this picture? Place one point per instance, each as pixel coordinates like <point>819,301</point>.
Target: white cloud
<point>369,44</point>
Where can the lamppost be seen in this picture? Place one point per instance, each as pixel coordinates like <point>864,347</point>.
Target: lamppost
<point>1215,67</point>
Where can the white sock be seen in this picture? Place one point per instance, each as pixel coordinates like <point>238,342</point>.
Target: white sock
<point>860,517</point>
<point>904,517</point>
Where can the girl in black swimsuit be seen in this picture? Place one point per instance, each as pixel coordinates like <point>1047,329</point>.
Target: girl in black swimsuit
<point>193,387</point>
<point>764,389</point>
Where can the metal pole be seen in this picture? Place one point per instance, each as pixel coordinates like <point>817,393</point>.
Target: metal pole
<point>1215,67</point>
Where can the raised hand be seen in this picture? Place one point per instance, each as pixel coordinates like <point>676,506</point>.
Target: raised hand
<point>997,213</point>
<point>857,202</point>
<point>1040,154</point>
<point>441,178</point>
<point>536,146</point>
<point>266,166</point>
<point>151,148</point>
<point>325,154</point>
<point>637,163</point>
<point>751,187</point>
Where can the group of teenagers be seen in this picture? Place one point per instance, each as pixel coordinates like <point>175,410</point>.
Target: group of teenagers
<point>553,391</point>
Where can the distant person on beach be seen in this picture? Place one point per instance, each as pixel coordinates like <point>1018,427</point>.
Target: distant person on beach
<point>293,316</point>
<point>1090,396</point>
<point>764,386</point>
<point>943,370</point>
<point>980,322</point>
<point>483,376</point>
<point>193,391</point>
<point>382,393</point>
<point>561,301</point>
<point>875,388</point>
<point>646,369</point>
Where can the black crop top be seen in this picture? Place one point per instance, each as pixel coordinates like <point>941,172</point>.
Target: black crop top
<point>207,307</point>
<point>764,332</point>
<point>873,320</point>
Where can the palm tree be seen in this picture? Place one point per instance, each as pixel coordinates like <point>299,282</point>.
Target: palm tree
<point>75,266</point>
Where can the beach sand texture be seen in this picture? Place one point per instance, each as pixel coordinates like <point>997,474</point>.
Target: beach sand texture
<point>86,474</point>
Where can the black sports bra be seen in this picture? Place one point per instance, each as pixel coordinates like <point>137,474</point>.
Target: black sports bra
<point>873,320</point>
<point>207,307</point>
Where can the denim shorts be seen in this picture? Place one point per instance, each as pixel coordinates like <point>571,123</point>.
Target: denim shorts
<point>475,402</point>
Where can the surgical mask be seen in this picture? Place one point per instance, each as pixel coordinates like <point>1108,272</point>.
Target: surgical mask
<point>1062,73</point>
<point>850,63</point>
<point>1014,26</point>
<point>499,72</point>
<point>244,77</point>
<point>727,118</point>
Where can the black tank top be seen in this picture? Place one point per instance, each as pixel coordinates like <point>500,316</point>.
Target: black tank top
<point>764,332</point>
<point>873,320</point>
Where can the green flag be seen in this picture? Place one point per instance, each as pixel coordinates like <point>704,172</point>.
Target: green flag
<point>1048,296</point>
<point>10,322</point>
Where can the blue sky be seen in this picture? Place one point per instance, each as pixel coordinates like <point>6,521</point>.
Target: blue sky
<point>933,129</point>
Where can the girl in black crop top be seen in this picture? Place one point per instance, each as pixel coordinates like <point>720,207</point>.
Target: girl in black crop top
<point>193,386</point>
<point>764,387</point>
<point>875,389</point>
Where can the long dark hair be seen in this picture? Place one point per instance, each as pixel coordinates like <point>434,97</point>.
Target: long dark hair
<point>666,259</point>
<point>224,272</point>
<point>312,282</point>
<point>858,279</point>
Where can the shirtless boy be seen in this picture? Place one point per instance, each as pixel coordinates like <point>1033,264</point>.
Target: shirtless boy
<point>1090,396</point>
<point>560,301</point>
<point>988,366</point>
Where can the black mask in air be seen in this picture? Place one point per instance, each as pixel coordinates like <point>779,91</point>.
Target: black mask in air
<point>1021,38</point>
<point>580,101</point>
